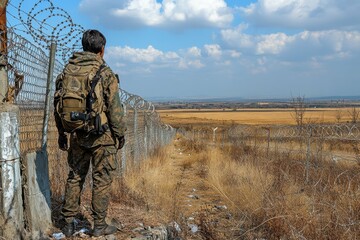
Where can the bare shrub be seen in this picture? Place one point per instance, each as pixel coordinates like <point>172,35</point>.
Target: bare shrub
<point>299,108</point>
<point>354,114</point>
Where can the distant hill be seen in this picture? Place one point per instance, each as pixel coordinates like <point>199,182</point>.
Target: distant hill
<point>243,103</point>
<point>241,99</point>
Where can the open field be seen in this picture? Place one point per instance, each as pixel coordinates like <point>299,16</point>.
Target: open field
<point>240,191</point>
<point>253,116</point>
<point>242,184</point>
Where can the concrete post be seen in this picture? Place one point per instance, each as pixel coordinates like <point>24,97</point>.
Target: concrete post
<point>11,204</point>
<point>37,194</point>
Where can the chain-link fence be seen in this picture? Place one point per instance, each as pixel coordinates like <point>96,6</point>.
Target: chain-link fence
<point>310,144</point>
<point>28,67</point>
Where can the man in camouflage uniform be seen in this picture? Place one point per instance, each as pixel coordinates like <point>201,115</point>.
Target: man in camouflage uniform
<point>86,147</point>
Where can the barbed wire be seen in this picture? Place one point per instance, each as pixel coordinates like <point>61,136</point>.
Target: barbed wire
<point>28,64</point>
<point>46,23</point>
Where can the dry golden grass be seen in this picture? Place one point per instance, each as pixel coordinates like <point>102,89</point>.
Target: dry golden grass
<point>251,116</point>
<point>241,185</point>
<point>249,188</point>
<point>266,194</point>
<point>155,180</point>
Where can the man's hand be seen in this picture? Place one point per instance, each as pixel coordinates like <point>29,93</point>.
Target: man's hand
<point>121,142</point>
<point>63,143</point>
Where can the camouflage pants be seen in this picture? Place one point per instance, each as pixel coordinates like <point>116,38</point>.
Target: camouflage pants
<point>104,164</point>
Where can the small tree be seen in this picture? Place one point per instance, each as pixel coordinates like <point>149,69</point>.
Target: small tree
<point>339,113</point>
<point>299,107</point>
<point>354,114</point>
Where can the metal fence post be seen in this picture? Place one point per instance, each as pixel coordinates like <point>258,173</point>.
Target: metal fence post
<point>145,136</point>
<point>162,136</point>
<point>123,150</point>
<point>48,95</point>
<point>223,138</point>
<point>268,142</point>
<point>308,156</point>
<point>136,145</point>
<point>214,135</point>
<point>155,136</point>
<point>151,136</point>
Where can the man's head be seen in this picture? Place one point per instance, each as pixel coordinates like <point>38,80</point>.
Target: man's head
<point>93,41</point>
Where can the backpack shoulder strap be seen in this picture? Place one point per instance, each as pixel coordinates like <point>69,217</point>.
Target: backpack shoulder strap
<point>94,81</point>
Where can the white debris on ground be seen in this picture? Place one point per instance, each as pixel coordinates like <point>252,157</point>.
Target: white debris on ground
<point>194,228</point>
<point>82,233</point>
<point>58,236</point>
<point>193,196</point>
<point>151,233</point>
<point>224,207</point>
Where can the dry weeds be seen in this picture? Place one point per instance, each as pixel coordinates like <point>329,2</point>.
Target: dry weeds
<point>156,180</point>
<point>265,193</point>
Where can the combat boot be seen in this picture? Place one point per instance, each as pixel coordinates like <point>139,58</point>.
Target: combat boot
<point>103,229</point>
<point>69,229</point>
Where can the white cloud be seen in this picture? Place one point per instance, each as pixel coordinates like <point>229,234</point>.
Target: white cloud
<point>236,38</point>
<point>199,12</point>
<point>123,57</point>
<point>150,54</point>
<point>272,43</point>
<point>168,13</point>
<point>304,45</point>
<point>194,51</point>
<point>196,64</point>
<point>234,53</point>
<point>142,11</point>
<point>213,50</point>
<point>305,14</point>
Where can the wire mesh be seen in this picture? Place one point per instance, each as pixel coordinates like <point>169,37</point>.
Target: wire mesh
<point>145,131</point>
<point>28,66</point>
<point>333,142</point>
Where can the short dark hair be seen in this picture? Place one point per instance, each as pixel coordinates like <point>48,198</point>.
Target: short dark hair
<point>93,41</point>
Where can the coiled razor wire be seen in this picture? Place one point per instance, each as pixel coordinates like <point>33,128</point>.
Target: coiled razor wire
<point>47,23</point>
<point>27,60</point>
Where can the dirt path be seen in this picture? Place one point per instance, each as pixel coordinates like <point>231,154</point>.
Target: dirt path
<point>204,213</point>
<point>198,210</point>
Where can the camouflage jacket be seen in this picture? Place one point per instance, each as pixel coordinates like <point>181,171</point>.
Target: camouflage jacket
<point>114,109</point>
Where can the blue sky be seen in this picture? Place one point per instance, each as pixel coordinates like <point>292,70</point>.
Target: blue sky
<point>233,48</point>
